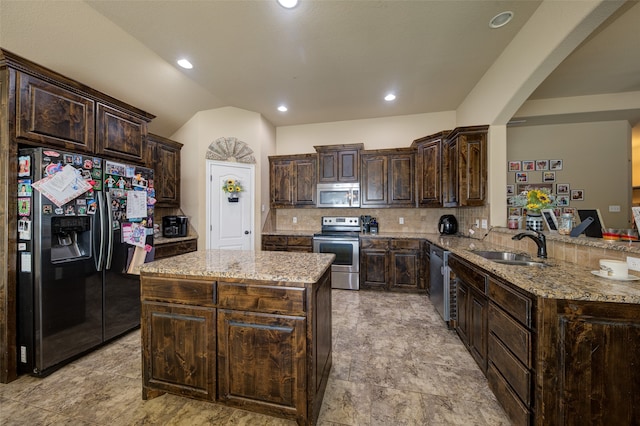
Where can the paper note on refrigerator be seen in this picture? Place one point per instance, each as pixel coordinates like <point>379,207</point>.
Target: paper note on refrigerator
<point>63,186</point>
<point>134,233</point>
<point>136,204</point>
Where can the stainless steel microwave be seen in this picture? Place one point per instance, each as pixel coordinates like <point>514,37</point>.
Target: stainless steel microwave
<point>338,195</point>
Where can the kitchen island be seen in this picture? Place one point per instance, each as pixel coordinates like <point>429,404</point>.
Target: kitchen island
<point>242,328</point>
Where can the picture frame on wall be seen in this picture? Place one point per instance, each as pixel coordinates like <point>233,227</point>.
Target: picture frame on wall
<point>562,200</point>
<point>522,177</point>
<point>528,165</point>
<point>530,186</point>
<point>511,190</point>
<point>562,188</point>
<point>555,164</point>
<point>511,201</point>
<point>514,211</point>
<point>514,166</point>
<point>548,176</point>
<point>577,195</point>
<point>542,165</point>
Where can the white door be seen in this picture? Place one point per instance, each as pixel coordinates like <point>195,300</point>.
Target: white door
<point>230,224</point>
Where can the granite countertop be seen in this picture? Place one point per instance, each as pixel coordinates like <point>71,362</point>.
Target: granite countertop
<point>561,280</point>
<point>278,267</point>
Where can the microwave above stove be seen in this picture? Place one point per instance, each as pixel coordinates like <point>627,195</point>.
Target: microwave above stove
<point>338,195</point>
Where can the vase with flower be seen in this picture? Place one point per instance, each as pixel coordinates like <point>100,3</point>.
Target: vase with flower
<point>232,188</point>
<point>534,201</point>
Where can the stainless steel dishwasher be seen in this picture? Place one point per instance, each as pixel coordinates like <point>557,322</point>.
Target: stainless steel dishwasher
<point>439,281</point>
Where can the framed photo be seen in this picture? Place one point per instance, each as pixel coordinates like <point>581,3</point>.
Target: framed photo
<point>577,195</point>
<point>511,189</point>
<point>555,164</point>
<point>522,177</point>
<point>548,176</point>
<point>514,166</point>
<point>530,186</point>
<point>515,211</point>
<point>528,165</point>
<point>550,219</point>
<point>511,201</point>
<point>562,200</point>
<point>542,164</point>
<point>571,210</point>
<point>562,188</point>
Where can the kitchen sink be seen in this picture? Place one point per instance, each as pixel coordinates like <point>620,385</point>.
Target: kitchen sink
<point>509,258</point>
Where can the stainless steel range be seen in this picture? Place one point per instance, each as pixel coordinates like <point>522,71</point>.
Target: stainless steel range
<point>340,236</point>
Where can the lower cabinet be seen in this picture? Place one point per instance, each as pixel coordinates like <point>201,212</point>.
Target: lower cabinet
<point>175,248</point>
<point>392,264</point>
<point>299,243</point>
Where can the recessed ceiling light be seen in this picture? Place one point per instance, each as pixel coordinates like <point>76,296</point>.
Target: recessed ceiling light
<point>289,4</point>
<point>390,97</point>
<point>282,108</point>
<point>501,19</point>
<point>184,63</point>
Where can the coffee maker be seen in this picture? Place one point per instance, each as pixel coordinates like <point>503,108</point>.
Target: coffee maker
<point>366,223</point>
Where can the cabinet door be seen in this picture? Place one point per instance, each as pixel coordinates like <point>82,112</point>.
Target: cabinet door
<point>348,163</point>
<point>405,270</point>
<point>54,116</point>
<point>120,135</point>
<point>281,175</point>
<point>261,361</point>
<point>450,174</point>
<point>462,300</point>
<point>305,182</point>
<point>401,180</point>
<point>374,268</point>
<point>375,175</point>
<point>478,333</point>
<point>472,169</point>
<point>179,343</point>
<point>328,166</point>
<point>429,177</point>
<point>167,176</point>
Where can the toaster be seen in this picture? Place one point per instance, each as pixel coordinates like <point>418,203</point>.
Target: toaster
<point>174,226</point>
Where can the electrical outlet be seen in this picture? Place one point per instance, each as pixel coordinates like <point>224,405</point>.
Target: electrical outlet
<point>401,220</point>
<point>614,209</point>
<point>633,263</point>
<point>484,223</point>
<point>477,223</point>
<point>295,219</point>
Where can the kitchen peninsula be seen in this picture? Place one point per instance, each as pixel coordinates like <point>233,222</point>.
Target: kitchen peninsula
<point>242,328</point>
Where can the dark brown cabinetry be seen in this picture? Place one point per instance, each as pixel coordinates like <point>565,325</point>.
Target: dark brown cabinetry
<point>297,243</point>
<point>429,169</point>
<point>175,248</point>
<point>163,156</point>
<point>388,178</point>
<point>392,264</point>
<point>338,163</point>
<point>292,180</point>
<point>465,167</point>
<point>119,134</point>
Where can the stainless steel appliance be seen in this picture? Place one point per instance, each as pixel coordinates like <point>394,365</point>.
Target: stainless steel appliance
<point>338,195</point>
<point>174,226</point>
<point>439,274</point>
<point>340,236</point>
<point>74,292</point>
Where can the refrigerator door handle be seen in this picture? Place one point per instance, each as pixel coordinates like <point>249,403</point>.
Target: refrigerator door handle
<point>109,230</point>
<point>101,244</point>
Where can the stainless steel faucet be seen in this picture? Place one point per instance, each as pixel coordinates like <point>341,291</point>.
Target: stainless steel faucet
<point>540,240</point>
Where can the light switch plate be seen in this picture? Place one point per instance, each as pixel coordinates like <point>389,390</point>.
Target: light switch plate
<point>614,209</point>
<point>484,223</point>
<point>401,220</point>
<point>633,263</point>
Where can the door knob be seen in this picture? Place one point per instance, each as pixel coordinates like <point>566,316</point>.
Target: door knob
<point>247,232</point>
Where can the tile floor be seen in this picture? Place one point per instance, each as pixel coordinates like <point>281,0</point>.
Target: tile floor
<point>394,363</point>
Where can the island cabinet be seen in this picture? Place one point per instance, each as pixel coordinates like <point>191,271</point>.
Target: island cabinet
<point>464,167</point>
<point>338,163</point>
<point>254,344</point>
<point>392,264</point>
<point>163,156</point>
<point>387,178</point>
<point>292,180</point>
<point>299,243</point>
<point>429,169</point>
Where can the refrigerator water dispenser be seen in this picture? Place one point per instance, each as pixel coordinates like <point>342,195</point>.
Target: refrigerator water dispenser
<point>70,238</point>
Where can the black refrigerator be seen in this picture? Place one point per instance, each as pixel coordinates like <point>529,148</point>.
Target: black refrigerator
<point>76,254</point>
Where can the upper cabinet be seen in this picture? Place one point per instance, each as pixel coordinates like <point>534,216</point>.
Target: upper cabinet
<point>465,167</point>
<point>163,156</point>
<point>338,163</point>
<point>292,180</point>
<point>387,178</point>
<point>120,134</point>
<point>429,169</point>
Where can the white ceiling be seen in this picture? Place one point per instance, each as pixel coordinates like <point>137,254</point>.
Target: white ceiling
<point>326,60</point>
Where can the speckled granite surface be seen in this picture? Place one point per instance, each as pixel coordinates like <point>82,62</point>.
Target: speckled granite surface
<point>253,265</point>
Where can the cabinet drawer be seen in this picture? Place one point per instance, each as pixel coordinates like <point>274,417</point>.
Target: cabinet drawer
<point>374,243</point>
<point>468,274</point>
<point>514,336</point>
<point>515,409</point>
<point>175,249</point>
<point>266,298</point>
<point>405,244</point>
<point>516,374</point>
<point>274,240</point>
<point>512,302</point>
<point>299,242</point>
<point>179,290</point>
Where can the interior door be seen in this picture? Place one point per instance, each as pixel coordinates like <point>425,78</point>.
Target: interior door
<point>230,223</point>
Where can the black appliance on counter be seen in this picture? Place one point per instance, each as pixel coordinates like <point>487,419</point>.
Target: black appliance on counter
<point>174,226</point>
<point>448,224</point>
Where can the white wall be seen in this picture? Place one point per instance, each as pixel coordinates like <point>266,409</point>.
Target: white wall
<point>196,135</point>
<point>374,133</point>
<point>596,158</point>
